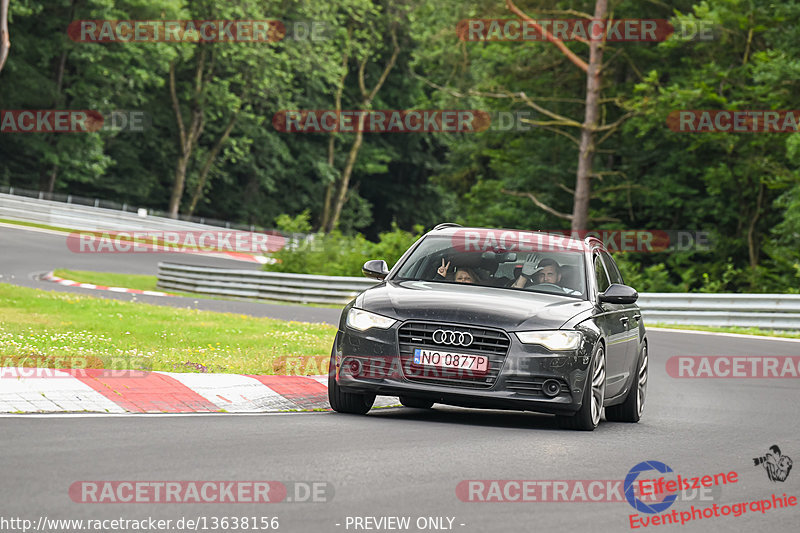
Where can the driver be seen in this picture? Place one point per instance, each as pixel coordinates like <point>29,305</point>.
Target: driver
<point>548,271</point>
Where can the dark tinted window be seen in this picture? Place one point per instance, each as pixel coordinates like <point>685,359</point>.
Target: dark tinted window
<point>600,274</point>
<point>495,259</point>
<point>611,267</point>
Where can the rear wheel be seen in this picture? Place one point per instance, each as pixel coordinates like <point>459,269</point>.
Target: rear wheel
<point>346,402</point>
<point>588,416</point>
<point>631,409</point>
<point>415,403</point>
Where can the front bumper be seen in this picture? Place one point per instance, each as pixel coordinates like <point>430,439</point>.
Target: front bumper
<point>374,361</point>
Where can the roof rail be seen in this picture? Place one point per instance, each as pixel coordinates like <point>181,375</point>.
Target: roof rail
<point>447,225</point>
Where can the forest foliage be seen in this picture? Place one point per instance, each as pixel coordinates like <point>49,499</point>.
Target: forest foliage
<point>210,108</point>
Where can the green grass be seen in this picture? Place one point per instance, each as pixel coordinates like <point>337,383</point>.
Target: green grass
<point>110,279</point>
<point>148,283</point>
<point>128,281</point>
<point>734,329</point>
<point>64,330</point>
<point>35,225</point>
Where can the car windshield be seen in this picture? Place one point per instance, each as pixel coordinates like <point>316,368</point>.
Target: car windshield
<point>440,258</point>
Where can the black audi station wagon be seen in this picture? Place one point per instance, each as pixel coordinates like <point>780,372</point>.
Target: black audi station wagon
<point>496,319</point>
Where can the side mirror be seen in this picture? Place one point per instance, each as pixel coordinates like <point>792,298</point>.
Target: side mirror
<point>375,269</point>
<point>619,294</point>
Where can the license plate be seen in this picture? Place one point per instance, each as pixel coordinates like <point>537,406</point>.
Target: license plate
<point>475,363</point>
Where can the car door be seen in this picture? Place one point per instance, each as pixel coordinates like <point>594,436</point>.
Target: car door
<point>611,319</point>
<point>631,311</point>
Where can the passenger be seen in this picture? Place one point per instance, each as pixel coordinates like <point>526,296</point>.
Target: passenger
<point>466,275</point>
<point>463,274</point>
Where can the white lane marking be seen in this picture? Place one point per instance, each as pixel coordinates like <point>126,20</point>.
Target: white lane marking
<point>234,392</point>
<point>53,391</point>
<point>720,334</point>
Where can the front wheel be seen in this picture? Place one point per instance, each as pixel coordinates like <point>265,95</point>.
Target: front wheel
<point>346,402</point>
<point>631,409</point>
<point>588,416</point>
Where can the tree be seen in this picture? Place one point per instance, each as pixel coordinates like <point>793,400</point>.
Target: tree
<point>216,86</point>
<point>336,194</point>
<point>593,68</point>
<point>492,74</point>
<point>363,41</point>
<point>5,42</point>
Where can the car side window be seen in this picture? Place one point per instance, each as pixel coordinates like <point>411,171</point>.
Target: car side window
<point>600,274</point>
<point>611,268</point>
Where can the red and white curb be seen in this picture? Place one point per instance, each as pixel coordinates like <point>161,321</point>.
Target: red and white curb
<point>69,283</point>
<point>44,390</point>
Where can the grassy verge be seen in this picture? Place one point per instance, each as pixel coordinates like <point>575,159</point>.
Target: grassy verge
<point>149,283</point>
<point>128,281</point>
<point>34,225</point>
<point>733,329</point>
<point>63,330</point>
<point>110,279</point>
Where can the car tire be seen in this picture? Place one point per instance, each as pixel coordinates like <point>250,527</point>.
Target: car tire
<point>588,416</point>
<point>346,402</point>
<point>415,403</point>
<point>631,409</point>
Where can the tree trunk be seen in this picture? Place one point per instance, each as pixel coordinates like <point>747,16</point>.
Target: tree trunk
<point>752,238</point>
<point>583,185</point>
<point>367,98</point>
<point>187,140</point>
<point>327,207</point>
<point>178,183</point>
<point>51,179</point>
<point>345,181</point>
<point>212,156</point>
<point>58,103</point>
<point>5,41</point>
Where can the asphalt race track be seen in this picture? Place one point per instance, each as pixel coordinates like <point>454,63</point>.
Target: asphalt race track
<point>26,254</point>
<point>402,462</point>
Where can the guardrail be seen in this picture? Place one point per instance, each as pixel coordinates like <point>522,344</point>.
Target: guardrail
<point>768,311</point>
<point>42,201</point>
<point>94,218</point>
<point>298,288</point>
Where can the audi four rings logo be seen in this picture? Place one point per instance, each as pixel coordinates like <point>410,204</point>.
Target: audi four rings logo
<point>457,338</point>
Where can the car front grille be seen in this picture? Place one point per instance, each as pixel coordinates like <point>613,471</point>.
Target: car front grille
<point>490,343</point>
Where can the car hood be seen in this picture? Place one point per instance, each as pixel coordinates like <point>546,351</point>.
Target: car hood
<point>468,304</point>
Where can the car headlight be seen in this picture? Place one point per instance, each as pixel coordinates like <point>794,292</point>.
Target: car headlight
<point>363,320</point>
<point>552,340</point>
